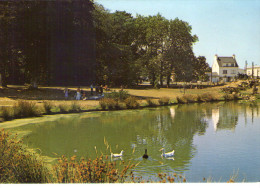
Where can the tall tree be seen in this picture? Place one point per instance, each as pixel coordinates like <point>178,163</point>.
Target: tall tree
<point>200,66</point>
<point>9,63</point>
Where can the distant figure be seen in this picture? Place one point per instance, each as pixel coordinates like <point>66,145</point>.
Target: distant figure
<point>105,87</point>
<point>97,90</point>
<point>101,89</point>
<point>78,94</point>
<point>122,88</point>
<point>84,96</point>
<point>66,92</point>
<point>91,89</point>
<point>145,156</point>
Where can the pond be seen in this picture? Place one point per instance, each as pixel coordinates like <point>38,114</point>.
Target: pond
<point>212,141</point>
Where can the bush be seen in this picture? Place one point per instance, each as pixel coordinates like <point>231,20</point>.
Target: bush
<point>164,101</point>
<point>7,113</point>
<point>207,97</point>
<point>47,106</point>
<point>150,102</point>
<point>90,171</point>
<point>110,104</point>
<point>25,109</point>
<point>63,108</point>
<point>228,97</point>
<point>131,103</point>
<point>103,103</point>
<point>121,95</point>
<point>75,107</point>
<point>186,98</point>
<point>17,165</point>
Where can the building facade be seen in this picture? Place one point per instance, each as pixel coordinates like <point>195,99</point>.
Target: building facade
<point>253,71</point>
<point>225,68</point>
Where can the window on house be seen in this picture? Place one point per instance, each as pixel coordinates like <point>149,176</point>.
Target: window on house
<point>224,71</point>
<point>233,72</point>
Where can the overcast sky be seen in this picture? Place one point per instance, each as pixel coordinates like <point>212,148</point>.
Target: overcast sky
<point>224,27</point>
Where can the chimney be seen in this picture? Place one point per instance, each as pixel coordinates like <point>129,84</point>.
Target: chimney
<point>234,57</point>
<point>216,56</point>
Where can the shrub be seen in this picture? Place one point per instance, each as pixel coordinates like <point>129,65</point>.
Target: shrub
<point>63,108</point>
<point>181,99</point>
<point>90,171</point>
<point>103,103</point>
<point>75,107</point>
<point>186,98</point>
<point>228,97</point>
<point>150,102</point>
<point>25,109</point>
<point>7,113</point>
<point>17,165</point>
<point>164,101</point>
<point>131,103</point>
<point>108,103</point>
<point>121,95</point>
<point>47,106</point>
<point>111,104</point>
<point>207,97</point>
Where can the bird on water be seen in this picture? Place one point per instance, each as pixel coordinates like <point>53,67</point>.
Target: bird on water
<point>145,156</point>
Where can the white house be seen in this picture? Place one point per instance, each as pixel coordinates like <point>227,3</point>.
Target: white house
<point>225,68</point>
<point>249,71</point>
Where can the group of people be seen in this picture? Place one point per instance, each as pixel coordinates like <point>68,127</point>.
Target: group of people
<point>81,94</point>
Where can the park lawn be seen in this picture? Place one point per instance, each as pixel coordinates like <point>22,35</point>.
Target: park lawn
<point>172,93</point>
<point>55,95</point>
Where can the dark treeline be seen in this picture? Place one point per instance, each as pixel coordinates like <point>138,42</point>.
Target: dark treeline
<point>79,43</point>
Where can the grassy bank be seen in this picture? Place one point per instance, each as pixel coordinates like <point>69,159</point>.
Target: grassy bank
<point>19,102</point>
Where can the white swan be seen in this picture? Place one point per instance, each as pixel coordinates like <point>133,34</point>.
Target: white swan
<point>117,155</point>
<point>169,154</point>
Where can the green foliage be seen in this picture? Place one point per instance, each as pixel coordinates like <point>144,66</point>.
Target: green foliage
<point>120,95</point>
<point>150,102</point>
<point>63,108</point>
<point>109,103</point>
<point>98,170</point>
<point>207,97</point>
<point>75,107</point>
<point>188,98</point>
<point>47,106</point>
<point>164,101</point>
<point>25,109</point>
<point>200,66</point>
<point>131,103</point>
<point>228,97</point>
<point>7,113</point>
<point>17,165</point>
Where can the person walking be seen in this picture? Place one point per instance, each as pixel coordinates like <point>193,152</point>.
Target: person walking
<point>101,89</point>
<point>78,94</point>
<point>91,89</point>
<point>66,92</point>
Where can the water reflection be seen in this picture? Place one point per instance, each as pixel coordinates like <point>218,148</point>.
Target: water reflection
<point>136,130</point>
<point>226,116</point>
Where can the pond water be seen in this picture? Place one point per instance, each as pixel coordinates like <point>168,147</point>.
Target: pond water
<point>214,141</point>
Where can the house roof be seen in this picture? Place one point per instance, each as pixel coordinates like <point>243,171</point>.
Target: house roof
<point>227,60</point>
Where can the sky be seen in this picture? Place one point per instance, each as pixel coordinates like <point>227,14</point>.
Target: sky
<point>224,27</point>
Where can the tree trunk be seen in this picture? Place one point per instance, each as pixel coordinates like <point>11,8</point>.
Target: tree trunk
<point>168,80</point>
<point>153,79</point>
<point>3,79</point>
<point>161,80</point>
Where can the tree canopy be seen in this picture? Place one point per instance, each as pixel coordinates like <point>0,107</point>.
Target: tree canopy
<point>79,43</point>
